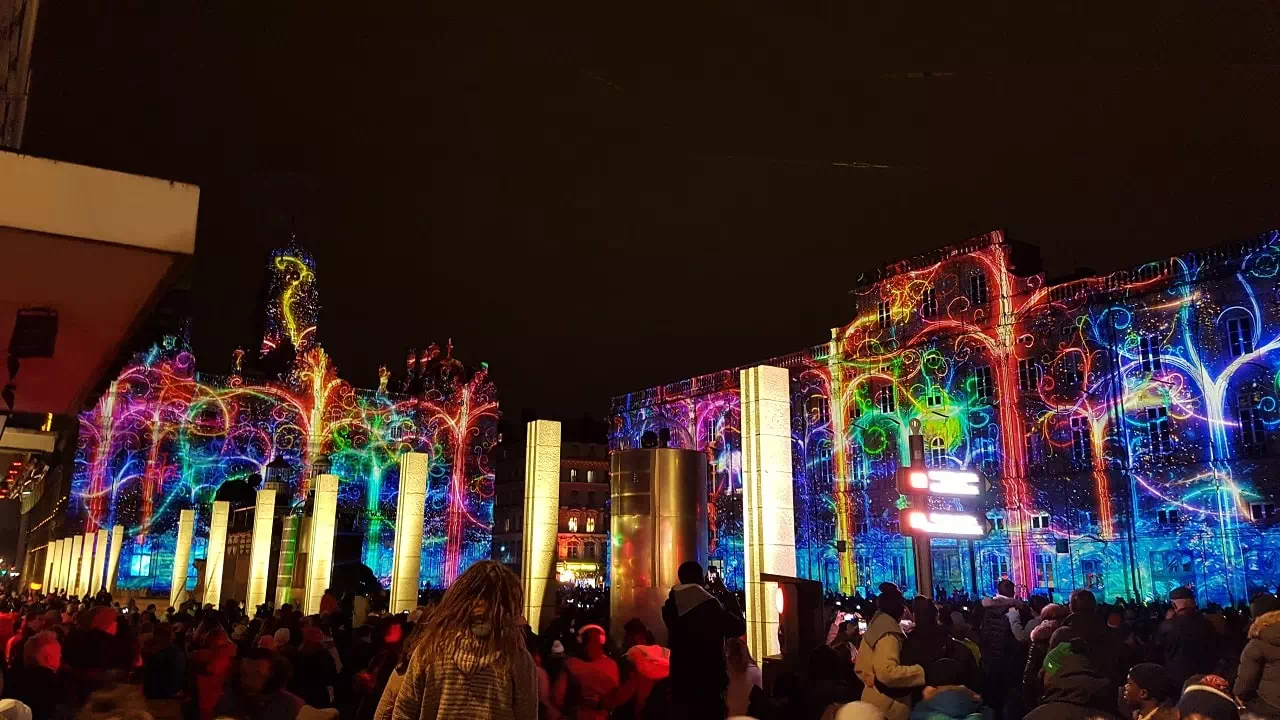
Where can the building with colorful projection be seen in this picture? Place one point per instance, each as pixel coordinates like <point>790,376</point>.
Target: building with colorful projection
<point>165,437</point>
<point>1128,423</point>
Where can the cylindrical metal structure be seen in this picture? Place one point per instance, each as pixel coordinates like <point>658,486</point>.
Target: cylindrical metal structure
<point>659,520</point>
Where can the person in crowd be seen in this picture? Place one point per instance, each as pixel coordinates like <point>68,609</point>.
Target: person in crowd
<point>829,682</point>
<point>36,682</point>
<point>1146,692</point>
<point>1186,643</point>
<point>472,663</point>
<point>389,678</point>
<point>1207,697</point>
<point>955,625</point>
<point>1051,617</point>
<point>211,657</point>
<point>887,683</point>
<point>845,641</point>
<point>697,626</point>
<point>163,665</point>
<point>1003,657</point>
<point>1258,675</point>
<point>32,623</point>
<point>946,696</point>
<point>1074,689</point>
<point>929,641</point>
<point>648,665</point>
<point>1100,641</point>
<point>1037,603</point>
<point>91,656</point>
<point>257,689</point>
<point>583,690</point>
<point>313,674</point>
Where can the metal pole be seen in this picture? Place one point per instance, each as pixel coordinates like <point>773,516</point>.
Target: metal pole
<point>924,564</point>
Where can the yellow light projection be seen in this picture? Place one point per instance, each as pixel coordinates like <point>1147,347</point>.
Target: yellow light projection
<point>216,556</point>
<point>406,565</point>
<point>324,515</point>
<point>182,556</point>
<point>541,519</point>
<point>260,548</point>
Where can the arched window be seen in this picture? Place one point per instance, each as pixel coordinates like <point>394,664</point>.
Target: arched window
<point>573,523</point>
<point>591,523</point>
<point>937,452</point>
<point>589,550</point>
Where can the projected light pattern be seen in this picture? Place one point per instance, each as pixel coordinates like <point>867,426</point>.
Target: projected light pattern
<point>1132,415</point>
<point>164,438</point>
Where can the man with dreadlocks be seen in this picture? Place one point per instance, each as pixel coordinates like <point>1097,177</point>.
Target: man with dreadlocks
<point>472,663</point>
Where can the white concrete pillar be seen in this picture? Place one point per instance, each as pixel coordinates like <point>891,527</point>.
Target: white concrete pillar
<point>260,549</point>
<point>113,559</point>
<point>48,566</point>
<point>541,520</point>
<point>182,556</point>
<point>86,565</point>
<point>99,561</point>
<point>324,514</point>
<point>64,582</point>
<point>768,517</point>
<point>215,557</point>
<point>73,570</point>
<point>55,578</point>
<point>411,504</point>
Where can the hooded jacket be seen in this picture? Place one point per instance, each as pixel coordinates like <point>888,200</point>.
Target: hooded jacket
<point>1186,644</point>
<point>1001,652</point>
<point>1032,687</point>
<point>697,626</point>
<point>1074,692</point>
<point>1259,673</point>
<point>887,683</point>
<point>470,685</point>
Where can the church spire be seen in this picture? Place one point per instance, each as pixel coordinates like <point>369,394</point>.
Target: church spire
<point>293,302</point>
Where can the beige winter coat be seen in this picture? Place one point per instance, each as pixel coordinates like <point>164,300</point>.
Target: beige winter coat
<point>878,668</point>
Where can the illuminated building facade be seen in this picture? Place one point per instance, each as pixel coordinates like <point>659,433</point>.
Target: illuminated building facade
<point>1128,424</point>
<point>165,438</point>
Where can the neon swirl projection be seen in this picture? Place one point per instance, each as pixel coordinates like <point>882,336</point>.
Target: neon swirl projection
<point>164,438</point>
<point>1128,419</point>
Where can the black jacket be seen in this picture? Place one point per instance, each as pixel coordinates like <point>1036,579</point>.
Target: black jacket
<point>1105,646</point>
<point>1076,692</point>
<point>1002,654</point>
<point>1186,644</point>
<point>697,625</point>
<point>927,643</point>
<point>40,688</point>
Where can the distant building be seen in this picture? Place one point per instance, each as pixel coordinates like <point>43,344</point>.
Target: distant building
<point>583,540</point>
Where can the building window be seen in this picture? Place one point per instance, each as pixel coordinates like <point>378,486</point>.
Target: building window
<point>929,303</point>
<point>140,564</point>
<point>1252,433</point>
<point>934,398</point>
<point>1240,335</point>
<point>982,384</point>
<point>884,313</point>
<point>997,569</point>
<point>937,452</point>
<point>591,498</point>
<point>1088,519</point>
<point>573,474</point>
<point>591,476</point>
<point>819,410</point>
<point>1149,353</point>
<point>1168,517</point>
<point>1091,569</point>
<point>573,523</point>
<point>978,288</point>
<point>997,523</point>
<point>1044,570</point>
<point>589,549</point>
<point>1262,510</point>
<point>591,523</point>
<point>574,498</point>
<point>893,527</point>
<point>1081,439</point>
<point>898,571</point>
<point>1159,441</point>
<point>506,525</point>
<point>1040,521</point>
<point>885,400</point>
<point>1028,375</point>
<point>573,551</point>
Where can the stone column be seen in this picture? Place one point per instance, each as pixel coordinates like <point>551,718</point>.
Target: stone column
<point>99,561</point>
<point>411,503</point>
<point>113,559</point>
<point>86,565</point>
<point>216,555</point>
<point>324,514</point>
<point>541,520</point>
<point>260,549</point>
<point>182,556</point>
<point>68,544</point>
<point>768,519</point>
<point>73,570</point>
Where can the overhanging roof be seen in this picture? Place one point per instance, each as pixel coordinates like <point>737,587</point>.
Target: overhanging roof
<point>97,246</point>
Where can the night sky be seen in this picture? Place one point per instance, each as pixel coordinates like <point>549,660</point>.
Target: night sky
<point>595,199</point>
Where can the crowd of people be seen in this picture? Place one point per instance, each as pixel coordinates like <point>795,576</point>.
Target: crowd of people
<point>469,654</point>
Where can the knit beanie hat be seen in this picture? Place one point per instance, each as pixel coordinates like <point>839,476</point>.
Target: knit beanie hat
<point>1153,678</point>
<point>1208,701</point>
<point>1263,603</point>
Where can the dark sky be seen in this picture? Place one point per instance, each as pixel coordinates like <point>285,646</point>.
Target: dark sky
<point>595,199</point>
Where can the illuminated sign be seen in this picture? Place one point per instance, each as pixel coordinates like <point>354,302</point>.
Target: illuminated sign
<point>941,482</point>
<point>936,523</point>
